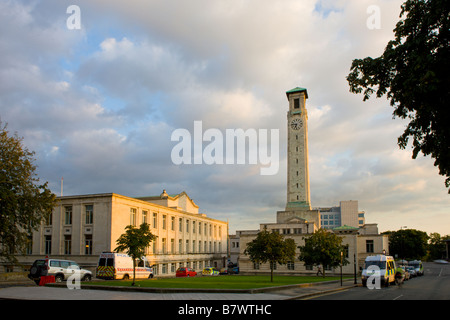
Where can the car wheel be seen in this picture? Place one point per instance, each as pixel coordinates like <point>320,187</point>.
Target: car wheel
<point>59,278</point>
<point>150,276</point>
<point>87,277</point>
<point>33,270</point>
<point>126,277</point>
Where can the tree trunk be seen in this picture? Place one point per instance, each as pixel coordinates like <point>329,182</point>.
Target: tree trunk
<point>271,272</point>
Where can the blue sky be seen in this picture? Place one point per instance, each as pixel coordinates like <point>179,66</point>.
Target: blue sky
<point>99,104</point>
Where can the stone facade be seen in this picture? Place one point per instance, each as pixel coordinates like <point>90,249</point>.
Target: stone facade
<point>83,226</point>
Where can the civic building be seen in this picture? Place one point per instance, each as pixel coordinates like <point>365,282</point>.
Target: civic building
<point>298,220</point>
<point>83,226</point>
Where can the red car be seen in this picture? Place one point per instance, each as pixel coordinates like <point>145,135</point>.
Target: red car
<point>185,272</point>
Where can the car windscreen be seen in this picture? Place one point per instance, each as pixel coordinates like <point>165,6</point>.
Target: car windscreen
<point>54,263</point>
<point>379,264</point>
<point>39,263</point>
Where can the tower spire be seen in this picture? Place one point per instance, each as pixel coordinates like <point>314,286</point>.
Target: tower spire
<point>298,190</point>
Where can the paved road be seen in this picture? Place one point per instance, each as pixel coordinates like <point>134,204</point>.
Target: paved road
<point>434,285</point>
<point>33,292</point>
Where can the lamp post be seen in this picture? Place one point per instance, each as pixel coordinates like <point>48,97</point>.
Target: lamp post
<point>401,242</point>
<point>342,253</point>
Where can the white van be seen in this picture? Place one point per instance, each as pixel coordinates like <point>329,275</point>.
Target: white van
<point>379,265</point>
<point>113,265</point>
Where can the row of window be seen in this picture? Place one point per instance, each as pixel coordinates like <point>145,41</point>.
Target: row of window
<point>166,268</point>
<point>189,246</point>
<point>88,244</point>
<point>290,265</point>
<point>189,225</point>
<point>68,214</point>
<point>202,246</point>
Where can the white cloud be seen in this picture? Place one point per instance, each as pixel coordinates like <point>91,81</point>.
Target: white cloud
<point>99,104</point>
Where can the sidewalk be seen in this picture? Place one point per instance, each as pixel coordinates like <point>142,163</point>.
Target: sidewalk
<point>33,292</point>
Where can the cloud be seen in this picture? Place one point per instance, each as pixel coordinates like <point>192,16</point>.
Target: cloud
<point>99,104</point>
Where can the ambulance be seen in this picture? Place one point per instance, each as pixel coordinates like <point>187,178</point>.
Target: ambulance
<point>113,265</point>
<point>379,266</point>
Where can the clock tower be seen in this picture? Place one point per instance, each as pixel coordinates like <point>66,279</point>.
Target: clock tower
<point>298,204</point>
<point>298,192</point>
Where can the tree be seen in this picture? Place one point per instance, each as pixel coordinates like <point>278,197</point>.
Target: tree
<point>134,242</point>
<point>323,248</point>
<point>408,243</point>
<point>436,246</point>
<point>271,247</point>
<point>413,72</point>
<point>24,202</point>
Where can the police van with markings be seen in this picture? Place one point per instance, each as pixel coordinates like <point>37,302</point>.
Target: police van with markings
<point>379,267</point>
<point>113,265</point>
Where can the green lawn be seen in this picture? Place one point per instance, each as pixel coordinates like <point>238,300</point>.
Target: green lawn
<point>218,282</point>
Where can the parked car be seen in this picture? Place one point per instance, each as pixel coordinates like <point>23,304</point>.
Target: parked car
<point>223,271</point>
<point>417,264</point>
<point>407,274</point>
<point>185,272</point>
<point>210,271</point>
<point>233,270</point>
<point>412,271</point>
<point>60,269</point>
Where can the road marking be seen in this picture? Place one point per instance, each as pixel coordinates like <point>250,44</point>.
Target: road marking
<point>440,272</point>
<point>398,297</point>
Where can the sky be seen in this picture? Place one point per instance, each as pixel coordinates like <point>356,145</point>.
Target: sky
<point>97,92</point>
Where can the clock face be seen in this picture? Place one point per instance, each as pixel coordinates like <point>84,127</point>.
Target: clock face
<point>296,124</point>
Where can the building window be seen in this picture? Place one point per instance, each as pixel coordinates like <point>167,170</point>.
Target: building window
<point>155,220</point>
<point>193,226</point>
<point>256,265</point>
<point>144,216</point>
<point>68,215</point>
<point>164,218</point>
<point>133,216</point>
<point>154,245</point>
<point>67,244</point>
<point>30,245</point>
<point>88,244</point>
<point>296,103</point>
<point>48,244</point>
<point>187,246</point>
<point>290,265</point>
<point>172,223</point>
<point>187,226</point>
<point>180,224</point>
<point>369,246</point>
<point>199,228</point>
<point>164,245</point>
<point>172,245</point>
<point>180,246</point>
<point>89,216</point>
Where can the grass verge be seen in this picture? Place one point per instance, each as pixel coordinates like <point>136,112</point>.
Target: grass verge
<point>218,282</point>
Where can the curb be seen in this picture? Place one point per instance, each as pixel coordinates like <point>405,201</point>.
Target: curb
<point>201,290</point>
<point>306,295</point>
